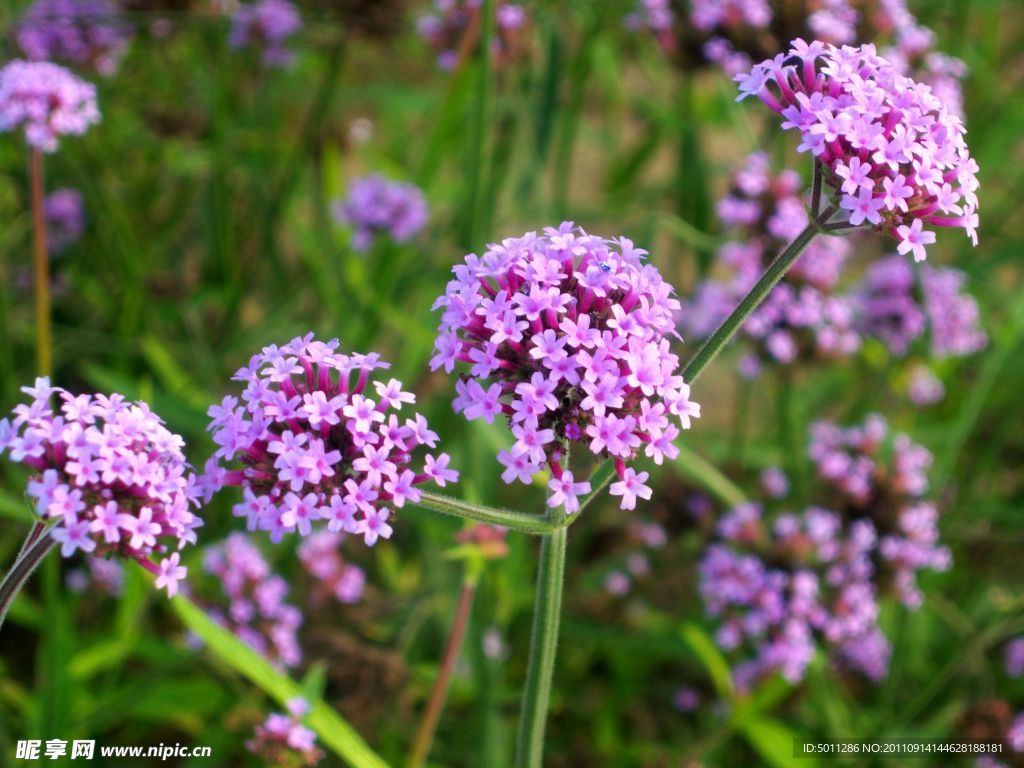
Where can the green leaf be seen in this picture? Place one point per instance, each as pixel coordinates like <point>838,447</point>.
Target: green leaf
<point>774,742</point>
<point>711,657</point>
<point>708,477</point>
<point>335,733</point>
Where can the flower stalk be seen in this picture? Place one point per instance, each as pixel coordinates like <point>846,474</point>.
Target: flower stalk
<point>44,334</point>
<point>22,570</point>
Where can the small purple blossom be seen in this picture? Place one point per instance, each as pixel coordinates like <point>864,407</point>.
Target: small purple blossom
<point>46,101</point>
<point>320,555</point>
<point>256,609</point>
<point>1015,657</point>
<point>111,477</point>
<point>378,207</point>
<point>268,25</point>
<point>851,104</point>
<point>85,33</point>
<point>575,331</point>
<point>318,440</point>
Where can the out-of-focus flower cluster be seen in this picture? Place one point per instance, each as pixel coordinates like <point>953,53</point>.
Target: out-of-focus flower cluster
<point>734,33</point>
<point>452,28</point>
<point>892,153</point>
<point>283,741</point>
<point>267,25</point>
<point>814,313</point>
<point>112,479</point>
<point>567,336</point>
<point>83,33</point>
<point>64,210</point>
<point>376,207</point>
<point>97,575</point>
<point>1015,657</point>
<point>320,555</point>
<point>315,442</point>
<point>256,610</point>
<point>783,583</point>
<point>46,101</point>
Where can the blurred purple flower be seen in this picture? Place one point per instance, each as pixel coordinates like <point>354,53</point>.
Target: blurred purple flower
<point>46,101</point>
<point>268,25</point>
<point>320,555</point>
<point>85,33</point>
<point>282,739</point>
<point>453,26</point>
<point>64,210</point>
<point>378,207</point>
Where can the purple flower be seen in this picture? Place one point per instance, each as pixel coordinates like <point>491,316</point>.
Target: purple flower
<point>316,442</point>
<point>64,210</point>
<point>46,101</point>
<point>112,478</point>
<point>254,603</point>
<point>269,25</point>
<point>849,103</point>
<point>924,387</point>
<point>283,740</point>
<point>575,331</point>
<point>321,557</point>
<point>86,33</point>
<point>378,207</point>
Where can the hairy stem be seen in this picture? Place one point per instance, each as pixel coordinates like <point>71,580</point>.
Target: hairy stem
<point>543,647</point>
<point>431,715</point>
<point>20,572</point>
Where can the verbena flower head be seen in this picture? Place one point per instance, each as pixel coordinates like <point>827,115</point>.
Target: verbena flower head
<point>1015,657</point>
<point>99,575</point>
<point>64,210</point>
<point>452,28</point>
<point>257,611</point>
<point>268,25</point>
<point>315,439</point>
<point>377,207</point>
<point>110,477</point>
<point>567,337</point>
<point>85,33</point>
<point>46,101</point>
<point>655,16</point>
<point>282,740</point>
<point>892,153</point>
<point>320,555</point>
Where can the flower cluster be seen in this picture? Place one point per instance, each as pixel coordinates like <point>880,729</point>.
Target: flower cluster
<point>452,28</point>
<point>892,153</point>
<point>46,101</point>
<point>64,211</point>
<point>268,25</point>
<point>283,741</point>
<point>892,306</point>
<point>657,17</point>
<point>567,336</point>
<point>111,477</point>
<point>316,443</point>
<point>803,317</point>
<point>85,33</point>
<point>783,584</point>
<point>320,555</point>
<point>884,480</point>
<point>257,610</point>
<point>376,206</point>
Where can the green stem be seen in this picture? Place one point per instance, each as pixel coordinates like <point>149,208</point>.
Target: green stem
<point>432,714</point>
<point>543,647</point>
<point>44,335</point>
<point>21,570</point>
<point>709,351</point>
<point>537,525</point>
